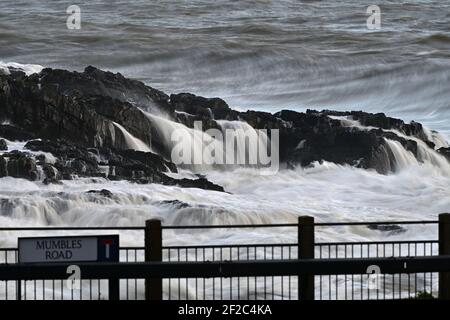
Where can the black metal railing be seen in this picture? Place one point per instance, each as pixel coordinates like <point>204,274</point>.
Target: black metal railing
<point>271,286</point>
<point>229,270</point>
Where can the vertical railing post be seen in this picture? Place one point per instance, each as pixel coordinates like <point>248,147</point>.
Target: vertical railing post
<point>306,251</point>
<point>18,290</point>
<point>444,249</point>
<point>153,252</point>
<point>114,289</point>
<point>113,284</point>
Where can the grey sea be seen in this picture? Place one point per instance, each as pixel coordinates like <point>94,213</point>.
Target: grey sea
<point>256,54</point>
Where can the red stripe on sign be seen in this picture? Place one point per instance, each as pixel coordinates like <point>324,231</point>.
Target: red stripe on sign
<point>107,241</point>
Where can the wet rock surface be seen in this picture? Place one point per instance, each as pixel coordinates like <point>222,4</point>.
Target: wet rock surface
<point>103,192</point>
<point>391,229</point>
<point>17,164</point>
<point>445,152</point>
<point>75,116</point>
<point>3,145</point>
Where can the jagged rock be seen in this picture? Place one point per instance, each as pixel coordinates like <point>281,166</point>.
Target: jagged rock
<point>132,165</point>
<point>3,145</point>
<point>136,166</point>
<point>149,159</point>
<point>20,165</point>
<point>95,82</point>
<point>176,203</point>
<point>3,167</point>
<point>200,183</point>
<point>214,108</point>
<point>13,133</point>
<point>313,136</point>
<point>78,114</point>
<point>72,160</point>
<point>104,193</point>
<point>77,160</point>
<point>94,151</point>
<point>390,228</point>
<point>320,137</point>
<point>51,174</point>
<point>445,152</point>
<point>380,120</point>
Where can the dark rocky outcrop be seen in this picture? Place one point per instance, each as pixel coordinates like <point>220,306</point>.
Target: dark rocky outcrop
<point>52,174</point>
<point>314,136</point>
<point>176,203</point>
<point>136,166</point>
<point>212,108</point>
<point>95,82</point>
<point>391,229</point>
<point>13,133</point>
<point>78,117</point>
<point>445,152</point>
<point>380,120</point>
<point>18,165</point>
<point>201,183</point>
<point>3,145</point>
<point>3,167</point>
<point>104,193</point>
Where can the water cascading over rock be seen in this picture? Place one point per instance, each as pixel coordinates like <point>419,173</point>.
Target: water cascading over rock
<point>98,115</point>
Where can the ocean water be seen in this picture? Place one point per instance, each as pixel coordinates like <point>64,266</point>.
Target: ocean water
<point>258,54</point>
<point>264,55</point>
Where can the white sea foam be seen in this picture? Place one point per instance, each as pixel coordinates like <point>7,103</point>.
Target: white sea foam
<point>131,141</point>
<point>20,146</point>
<point>330,192</point>
<point>27,68</point>
<point>327,191</point>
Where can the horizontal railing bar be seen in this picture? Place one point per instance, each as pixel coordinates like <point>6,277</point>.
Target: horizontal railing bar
<point>121,248</point>
<point>210,246</point>
<point>369,223</point>
<point>232,226</point>
<point>224,269</point>
<point>288,225</point>
<point>67,228</point>
<point>275,245</point>
<point>376,242</point>
<point>296,244</point>
<point>291,225</point>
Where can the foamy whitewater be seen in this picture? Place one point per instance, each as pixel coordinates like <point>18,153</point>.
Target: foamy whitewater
<point>326,191</point>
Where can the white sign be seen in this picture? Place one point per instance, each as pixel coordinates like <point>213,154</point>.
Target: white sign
<point>58,249</point>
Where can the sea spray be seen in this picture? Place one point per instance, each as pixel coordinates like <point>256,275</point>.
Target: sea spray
<point>131,141</point>
<point>236,144</point>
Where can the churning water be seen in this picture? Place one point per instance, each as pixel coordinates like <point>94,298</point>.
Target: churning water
<point>264,54</point>
<point>256,54</point>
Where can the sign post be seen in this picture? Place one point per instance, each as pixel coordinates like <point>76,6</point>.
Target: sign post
<point>72,249</point>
